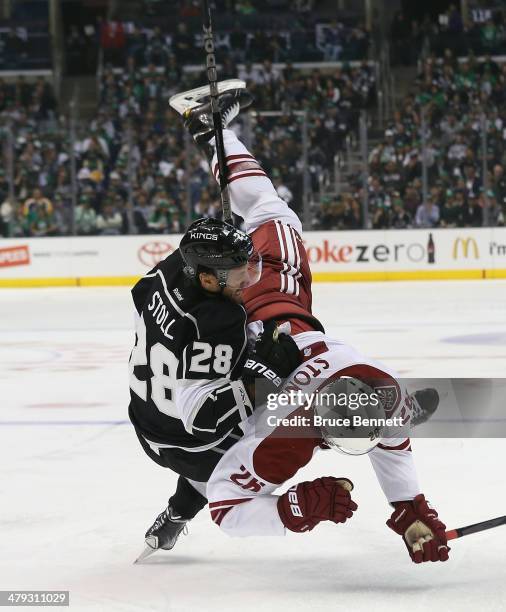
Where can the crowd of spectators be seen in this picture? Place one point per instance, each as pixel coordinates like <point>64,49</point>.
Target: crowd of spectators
<point>456,113</point>
<point>241,40</point>
<point>483,33</point>
<point>280,31</point>
<point>136,174</point>
<point>133,151</point>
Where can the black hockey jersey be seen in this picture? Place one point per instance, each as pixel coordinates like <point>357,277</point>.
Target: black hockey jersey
<point>185,367</point>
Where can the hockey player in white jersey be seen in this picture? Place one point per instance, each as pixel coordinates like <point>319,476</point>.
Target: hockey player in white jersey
<point>241,489</point>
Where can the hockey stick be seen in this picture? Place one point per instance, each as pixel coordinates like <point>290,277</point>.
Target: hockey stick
<point>212,77</point>
<point>453,534</point>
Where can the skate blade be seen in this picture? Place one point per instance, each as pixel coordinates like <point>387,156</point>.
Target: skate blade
<point>194,97</point>
<point>151,547</point>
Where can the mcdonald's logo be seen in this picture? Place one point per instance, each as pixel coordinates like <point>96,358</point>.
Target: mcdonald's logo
<point>466,243</point>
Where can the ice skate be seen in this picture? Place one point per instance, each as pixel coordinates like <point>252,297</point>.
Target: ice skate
<point>195,107</point>
<point>163,533</point>
<point>425,403</point>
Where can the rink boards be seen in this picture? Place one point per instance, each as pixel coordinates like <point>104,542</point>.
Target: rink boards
<point>465,253</point>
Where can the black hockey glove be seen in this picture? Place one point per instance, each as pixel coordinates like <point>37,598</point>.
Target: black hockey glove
<point>275,357</point>
<point>277,350</point>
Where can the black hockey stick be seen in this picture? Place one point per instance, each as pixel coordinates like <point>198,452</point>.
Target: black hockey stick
<point>212,77</point>
<point>452,534</point>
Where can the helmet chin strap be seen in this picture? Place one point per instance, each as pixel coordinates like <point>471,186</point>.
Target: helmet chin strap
<point>222,276</point>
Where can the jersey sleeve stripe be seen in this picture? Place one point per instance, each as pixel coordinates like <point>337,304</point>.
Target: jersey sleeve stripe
<point>241,175</point>
<point>284,254</point>
<point>202,429</point>
<point>297,260</point>
<point>238,162</point>
<point>240,155</point>
<point>236,158</point>
<point>190,449</point>
<point>290,259</point>
<point>406,445</point>
<point>232,165</point>
<point>219,510</point>
<point>290,251</point>
<point>227,415</point>
<point>282,251</point>
<point>221,410</point>
<point>226,503</point>
<point>217,516</point>
<point>295,246</point>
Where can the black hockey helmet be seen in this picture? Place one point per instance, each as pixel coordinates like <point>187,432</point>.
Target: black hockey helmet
<point>219,246</point>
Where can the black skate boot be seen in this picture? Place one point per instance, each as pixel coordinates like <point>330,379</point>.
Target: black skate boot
<point>425,403</point>
<point>199,120</point>
<point>184,504</point>
<point>194,106</point>
<point>165,531</point>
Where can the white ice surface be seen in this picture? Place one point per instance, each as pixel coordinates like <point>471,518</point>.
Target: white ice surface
<point>77,491</point>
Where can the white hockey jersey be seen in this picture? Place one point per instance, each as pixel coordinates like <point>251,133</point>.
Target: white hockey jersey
<point>241,488</point>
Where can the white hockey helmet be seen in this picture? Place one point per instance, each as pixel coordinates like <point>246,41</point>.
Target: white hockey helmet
<point>348,409</point>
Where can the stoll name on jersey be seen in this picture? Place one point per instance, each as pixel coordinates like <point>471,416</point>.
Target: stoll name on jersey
<point>161,313</point>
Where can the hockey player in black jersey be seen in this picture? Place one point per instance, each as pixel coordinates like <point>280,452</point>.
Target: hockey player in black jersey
<point>190,373</point>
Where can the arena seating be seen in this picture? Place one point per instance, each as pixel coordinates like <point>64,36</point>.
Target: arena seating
<point>278,37</point>
<point>454,95</point>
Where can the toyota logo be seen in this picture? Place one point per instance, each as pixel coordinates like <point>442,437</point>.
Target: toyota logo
<point>152,253</point>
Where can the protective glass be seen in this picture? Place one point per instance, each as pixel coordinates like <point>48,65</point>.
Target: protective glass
<point>247,275</point>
